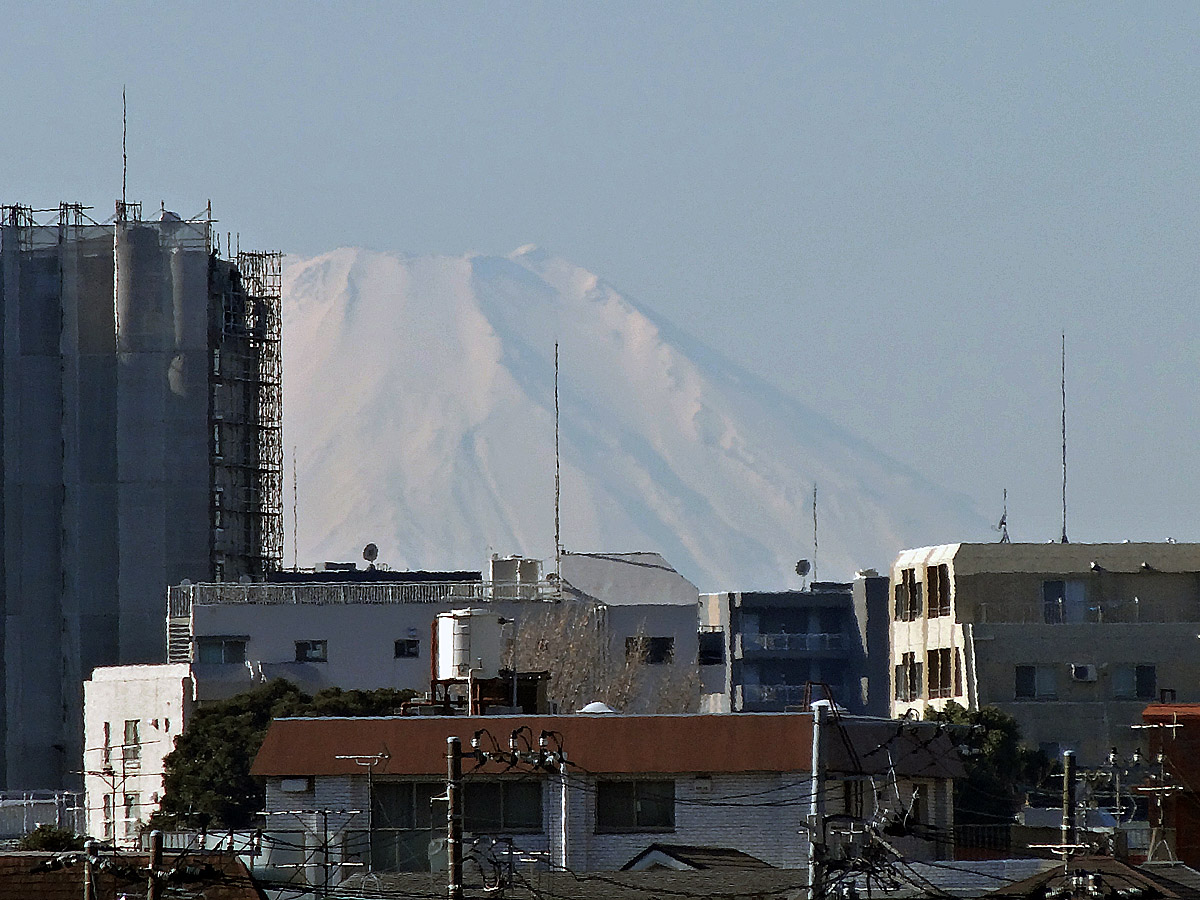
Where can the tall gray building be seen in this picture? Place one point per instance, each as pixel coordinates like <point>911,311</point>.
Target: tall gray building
<point>140,445</point>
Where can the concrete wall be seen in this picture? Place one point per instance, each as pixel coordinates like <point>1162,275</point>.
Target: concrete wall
<point>361,640</point>
<point>160,698</point>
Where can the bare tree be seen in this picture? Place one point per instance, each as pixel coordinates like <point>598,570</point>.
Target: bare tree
<point>572,641</point>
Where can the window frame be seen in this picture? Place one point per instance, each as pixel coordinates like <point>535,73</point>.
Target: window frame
<point>1040,674</point>
<point>938,579</point>
<point>909,597</point>
<point>642,790</point>
<point>654,651</point>
<point>715,639</point>
<point>407,644</point>
<point>507,787</point>
<point>312,651</point>
<point>226,642</point>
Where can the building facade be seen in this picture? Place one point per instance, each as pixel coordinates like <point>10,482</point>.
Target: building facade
<point>140,382</point>
<point>740,782</point>
<point>1072,640</point>
<point>356,630</point>
<point>770,651</point>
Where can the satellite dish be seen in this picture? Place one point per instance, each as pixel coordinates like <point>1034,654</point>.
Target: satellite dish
<point>370,553</point>
<point>803,567</point>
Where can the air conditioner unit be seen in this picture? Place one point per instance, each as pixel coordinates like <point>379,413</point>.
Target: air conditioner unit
<point>1080,672</point>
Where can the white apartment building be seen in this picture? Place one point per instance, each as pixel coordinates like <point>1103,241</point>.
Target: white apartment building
<point>1072,640</point>
<point>134,714</point>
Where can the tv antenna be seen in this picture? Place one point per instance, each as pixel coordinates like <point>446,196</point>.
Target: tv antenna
<point>1002,526</point>
<point>814,559</point>
<point>557,485</point>
<point>124,155</point>
<point>1063,383</point>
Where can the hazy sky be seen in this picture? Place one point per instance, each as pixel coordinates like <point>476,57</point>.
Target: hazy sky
<point>889,210</point>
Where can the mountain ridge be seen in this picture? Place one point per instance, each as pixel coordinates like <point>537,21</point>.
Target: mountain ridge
<point>419,390</point>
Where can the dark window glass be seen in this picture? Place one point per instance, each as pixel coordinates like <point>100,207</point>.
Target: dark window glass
<point>502,806</point>
<point>1026,682</point>
<point>655,651</point>
<point>408,649</point>
<point>402,822</point>
<point>1147,682</point>
<point>635,806</point>
<point>712,648</point>
<point>220,650</point>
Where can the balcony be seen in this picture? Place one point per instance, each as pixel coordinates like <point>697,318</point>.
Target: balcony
<point>790,644</point>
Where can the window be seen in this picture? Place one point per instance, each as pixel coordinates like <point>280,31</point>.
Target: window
<point>938,579</point>
<point>131,749</point>
<point>402,824</point>
<point>218,508</point>
<point>216,361</point>
<point>216,438</point>
<point>312,651</point>
<point>908,678</point>
<point>635,806</point>
<point>909,596</point>
<point>108,816</point>
<point>712,647</point>
<point>132,805</point>
<point>654,651</point>
<point>408,648</point>
<point>1064,602</point>
<point>945,679</point>
<point>1134,682</point>
<point>509,806</point>
<point>1036,683</point>
<point>221,650</point>
<point>106,751</point>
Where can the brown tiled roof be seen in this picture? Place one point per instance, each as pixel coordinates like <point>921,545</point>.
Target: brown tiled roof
<point>59,876</point>
<point>1116,877</point>
<point>738,742</point>
<point>701,857</point>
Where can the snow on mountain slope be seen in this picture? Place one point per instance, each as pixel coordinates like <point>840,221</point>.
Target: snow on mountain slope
<point>419,393</point>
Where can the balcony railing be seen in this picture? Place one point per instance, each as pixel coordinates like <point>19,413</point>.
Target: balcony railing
<point>787,694</point>
<point>786,642</point>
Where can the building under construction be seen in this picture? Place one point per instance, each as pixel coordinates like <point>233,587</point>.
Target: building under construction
<point>141,446</point>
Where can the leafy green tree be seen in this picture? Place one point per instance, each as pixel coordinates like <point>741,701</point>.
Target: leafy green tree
<point>207,781</point>
<point>51,837</point>
<point>1000,769</point>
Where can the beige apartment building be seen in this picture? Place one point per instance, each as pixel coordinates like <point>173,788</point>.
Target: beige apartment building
<point>1073,640</point>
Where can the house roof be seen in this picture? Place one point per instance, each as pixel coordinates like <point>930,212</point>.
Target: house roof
<point>1115,875</point>
<point>616,744</point>
<point>58,876</point>
<point>684,857</point>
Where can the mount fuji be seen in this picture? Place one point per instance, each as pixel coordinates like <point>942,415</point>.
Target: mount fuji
<point>419,395</point>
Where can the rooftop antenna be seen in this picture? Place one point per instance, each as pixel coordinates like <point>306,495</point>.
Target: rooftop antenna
<point>295,554</point>
<point>124,155</point>
<point>814,559</point>
<point>557,485</point>
<point>1064,437</point>
<point>1002,526</point>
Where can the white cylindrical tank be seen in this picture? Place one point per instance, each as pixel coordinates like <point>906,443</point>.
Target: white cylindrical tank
<point>470,643</point>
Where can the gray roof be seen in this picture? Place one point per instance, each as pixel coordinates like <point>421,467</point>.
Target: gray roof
<point>627,579</point>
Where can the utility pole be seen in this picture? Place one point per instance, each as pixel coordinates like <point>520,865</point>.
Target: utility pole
<point>816,812</point>
<point>153,885</point>
<point>89,854</point>
<point>454,862</point>
<point>1068,799</point>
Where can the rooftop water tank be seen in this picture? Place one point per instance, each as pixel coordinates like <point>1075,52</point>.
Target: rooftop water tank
<point>470,643</point>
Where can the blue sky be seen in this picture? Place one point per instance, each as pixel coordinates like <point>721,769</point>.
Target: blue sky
<point>889,210</point>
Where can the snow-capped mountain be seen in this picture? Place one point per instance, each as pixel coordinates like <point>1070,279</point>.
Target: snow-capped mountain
<point>419,394</point>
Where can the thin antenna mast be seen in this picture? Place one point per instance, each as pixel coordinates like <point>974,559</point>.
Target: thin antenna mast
<point>1064,438</point>
<point>1003,526</point>
<point>557,485</point>
<point>124,155</point>
<point>814,566</point>
<point>295,554</point>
